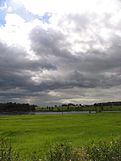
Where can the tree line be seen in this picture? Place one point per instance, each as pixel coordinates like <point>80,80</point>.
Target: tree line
<point>16,107</point>
<point>97,107</point>
<point>10,107</point>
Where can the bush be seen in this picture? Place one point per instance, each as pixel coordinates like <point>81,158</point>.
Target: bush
<point>104,151</point>
<point>63,152</point>
<point>6,151</point>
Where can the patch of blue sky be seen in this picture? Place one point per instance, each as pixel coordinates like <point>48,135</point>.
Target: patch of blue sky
<point>45,18</point>
<point>2,3</point>
<point>2,18</point>
<point>21,11</point>
<point>3,6</point>
<point>28,16</point>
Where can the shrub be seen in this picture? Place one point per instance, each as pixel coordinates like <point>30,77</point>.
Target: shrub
<point>63,152</point>
<point>6,151</point>
<point>104,151</point>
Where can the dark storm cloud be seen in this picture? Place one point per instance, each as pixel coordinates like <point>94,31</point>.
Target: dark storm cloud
<point>16,71</point>
<point>15,58</point>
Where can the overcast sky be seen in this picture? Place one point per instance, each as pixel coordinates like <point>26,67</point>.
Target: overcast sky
<point>60,51</point>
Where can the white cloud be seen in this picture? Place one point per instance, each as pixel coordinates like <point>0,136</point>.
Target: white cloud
<point>14,20</point>
<point>73,6</point>
<point>16,32</point>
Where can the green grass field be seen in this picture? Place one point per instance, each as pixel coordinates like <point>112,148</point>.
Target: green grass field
<point>37,132</point>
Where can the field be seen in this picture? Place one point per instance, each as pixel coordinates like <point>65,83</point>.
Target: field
<point>30,133</point>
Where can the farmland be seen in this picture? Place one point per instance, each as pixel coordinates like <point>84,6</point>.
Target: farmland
<point>29,133</point>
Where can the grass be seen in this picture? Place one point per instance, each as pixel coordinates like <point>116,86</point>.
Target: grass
<point>29,133</point>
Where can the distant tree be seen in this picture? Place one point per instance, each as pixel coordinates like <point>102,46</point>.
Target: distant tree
<point>16,107</point>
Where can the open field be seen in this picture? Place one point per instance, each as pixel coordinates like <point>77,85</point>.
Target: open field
<point>36,132</point>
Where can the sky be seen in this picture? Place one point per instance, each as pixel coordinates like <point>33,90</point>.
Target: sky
<point>57,51</point>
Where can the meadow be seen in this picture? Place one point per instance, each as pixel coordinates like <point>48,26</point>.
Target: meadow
<point>29,133</point>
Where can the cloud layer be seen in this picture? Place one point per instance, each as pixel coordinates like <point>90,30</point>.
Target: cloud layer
<point>60,54</point>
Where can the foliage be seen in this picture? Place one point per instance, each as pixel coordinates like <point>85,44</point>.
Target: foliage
<point>101,151</point>
<point>16,107</point>
<point>97,107</point>
<point>63,152</point>
<point>6,151</point>
<point>104,151</point>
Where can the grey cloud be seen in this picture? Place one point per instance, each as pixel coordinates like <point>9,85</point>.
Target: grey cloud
<point>16,58</point>
<point>49,43</point>
<point>16,70</point>
<point>61,69</point>
<point>90,69</point>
